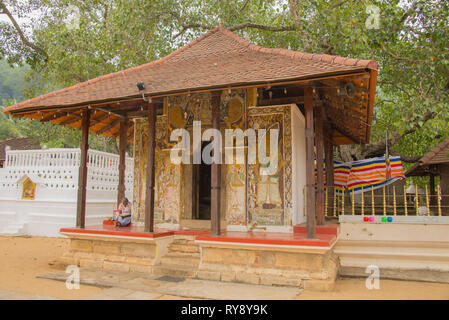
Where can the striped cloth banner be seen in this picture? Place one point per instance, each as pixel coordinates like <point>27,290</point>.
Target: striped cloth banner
<point>370,174</point>
<point>341,174</point>
<point>374,173</point>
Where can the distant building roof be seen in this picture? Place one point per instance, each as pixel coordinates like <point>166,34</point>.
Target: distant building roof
<point>18,144</point>
<point>438,155</point>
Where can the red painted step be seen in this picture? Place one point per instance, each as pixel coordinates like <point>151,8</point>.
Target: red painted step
<point>111,223</point>
<point>329,229</point>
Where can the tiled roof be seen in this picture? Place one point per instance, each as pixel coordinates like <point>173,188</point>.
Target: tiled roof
<point>438,155</point>
<point>217,59</point>
<point>18,144</point>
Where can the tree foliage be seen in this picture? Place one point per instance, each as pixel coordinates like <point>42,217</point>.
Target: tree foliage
<point>411,46</point>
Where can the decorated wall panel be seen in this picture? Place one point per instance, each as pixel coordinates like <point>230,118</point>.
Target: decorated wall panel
<point>171,184</point>
<point>267,197</point>
<point>270,196</point>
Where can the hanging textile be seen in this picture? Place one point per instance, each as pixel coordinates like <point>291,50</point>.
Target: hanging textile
<point>371,173</point>
<point>374,173</point>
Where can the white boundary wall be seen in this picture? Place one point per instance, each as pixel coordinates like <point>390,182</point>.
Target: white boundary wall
<point>55,172</point>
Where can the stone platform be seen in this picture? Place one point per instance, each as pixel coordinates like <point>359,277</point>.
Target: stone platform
<point>258,257</point>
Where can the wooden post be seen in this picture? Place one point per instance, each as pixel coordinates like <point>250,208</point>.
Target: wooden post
<point>394,200</point>
<point>335,202</point>
<point>427,201</point>
<point>432,189</point>
<point>373,202</point>
<point>310,170</point>
<point>215,171</point>
<point>405,202</point>
<point>439,201</point>
<point>444,188</point>
<point>329,163</point>
<point>151,145</point>
<point>122,164</point>
<point>319,145</point>
<point>384,201</point>
<point>353,209</point>
<point>326,203</point>
<point>82,177</point>
<point>417,200</point>
<point>362,209</point>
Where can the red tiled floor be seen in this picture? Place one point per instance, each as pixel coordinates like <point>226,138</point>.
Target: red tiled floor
<point>329,228</point>
<point>271,238</point>
<point>132,231</point>
<point>324,239</point>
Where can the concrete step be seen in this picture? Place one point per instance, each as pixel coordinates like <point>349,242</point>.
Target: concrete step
<point>326,229</point>
<point>181,247</point>
<point>184,241</point>
<point>175,271</point>
<point>182,254</point>
<point>180,261</point>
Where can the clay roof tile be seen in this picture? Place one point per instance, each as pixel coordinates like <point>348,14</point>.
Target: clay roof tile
<point>218,58</point>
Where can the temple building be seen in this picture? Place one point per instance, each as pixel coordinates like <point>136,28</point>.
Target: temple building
<point>222,81</point>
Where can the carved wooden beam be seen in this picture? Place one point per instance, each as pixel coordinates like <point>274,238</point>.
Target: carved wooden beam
<point>108,127</point>
<point>286,100</point>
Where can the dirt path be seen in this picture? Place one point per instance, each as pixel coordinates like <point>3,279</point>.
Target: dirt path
<point>350,289</point>
<point>23,258</point>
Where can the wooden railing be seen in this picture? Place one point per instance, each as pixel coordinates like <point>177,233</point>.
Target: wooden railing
<point>389,200</point>
<point>62,158</point>
<point>59,168</point>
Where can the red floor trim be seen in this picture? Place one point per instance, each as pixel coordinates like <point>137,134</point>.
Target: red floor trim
<point>326,238</point>
<point>117,233</point>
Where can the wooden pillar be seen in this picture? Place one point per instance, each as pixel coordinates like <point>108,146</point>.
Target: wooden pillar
<point>151,145</point>
<point>433,200</point>
<point>215,171</point>
<point>310,168</point>
<point>122,164</point>
<point>319,146</point>
<point>329,162</point>
<point>444,186</point>
<point>82,177</point>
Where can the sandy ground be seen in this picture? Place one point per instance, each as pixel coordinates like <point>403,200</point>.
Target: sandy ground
<point>23,258</point>
<point>350,289</point>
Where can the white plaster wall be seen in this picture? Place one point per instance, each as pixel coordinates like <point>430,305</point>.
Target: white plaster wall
<point>45,218</point>
<point>298,165</point>
<point>55,172</point>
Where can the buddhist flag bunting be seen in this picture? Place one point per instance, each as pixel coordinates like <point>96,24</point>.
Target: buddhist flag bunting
<point>370,174</point>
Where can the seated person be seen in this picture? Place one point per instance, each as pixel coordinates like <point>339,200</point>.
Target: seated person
<point>124,217</point>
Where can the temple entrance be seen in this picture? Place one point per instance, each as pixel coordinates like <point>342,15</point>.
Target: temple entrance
<point>201,190</point>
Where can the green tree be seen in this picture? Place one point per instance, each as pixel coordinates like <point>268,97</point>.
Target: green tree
<point>411,46</point>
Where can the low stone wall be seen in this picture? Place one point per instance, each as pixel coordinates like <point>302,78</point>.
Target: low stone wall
<point>124,254</point>
<point>408,248</point>
<point>310,269</point>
